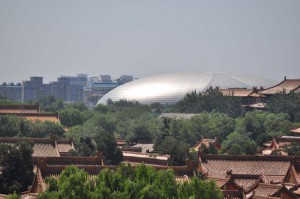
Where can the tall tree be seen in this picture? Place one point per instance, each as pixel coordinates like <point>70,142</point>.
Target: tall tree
<point>16,167</point>
<point>211,100</point>
<point>285,103</point>
<point>70,117</point>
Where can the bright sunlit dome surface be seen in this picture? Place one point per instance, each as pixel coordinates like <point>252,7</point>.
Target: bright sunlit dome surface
<point>170,88</point>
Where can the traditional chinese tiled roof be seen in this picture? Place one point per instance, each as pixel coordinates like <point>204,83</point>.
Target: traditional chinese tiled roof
<point>218,165</point>
<point>177,115</point>
<point>19,108</point>
<point>28,112</point>
<point>207,142</point>
<point>71,160</point>
<point>287,85</point>
<point>259,105</point>
<point>250,186</point>
<point>120,143</point>
<point>279,143</point>
<point>272,190</point>
<point>132,149</point>
<point>147,158</point>
<point>44,147</point>
<point>238,92</point>
<point>247,182</point>
<point>51,117</point>
<point>297,130</point>
<point>44,150</point>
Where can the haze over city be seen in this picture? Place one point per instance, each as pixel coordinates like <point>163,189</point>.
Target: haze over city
<point>143,38</point>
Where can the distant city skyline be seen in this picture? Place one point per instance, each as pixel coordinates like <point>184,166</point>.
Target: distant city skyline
<point>145,38</point>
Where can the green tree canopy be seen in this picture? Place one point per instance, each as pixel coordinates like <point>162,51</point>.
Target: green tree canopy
<point>236,144</point>
<point>16,167</point>
<point>142,182</point>
<point>70,117</point>
<point>285,103</point>
<point>50,104</point>
<point>211,100</point>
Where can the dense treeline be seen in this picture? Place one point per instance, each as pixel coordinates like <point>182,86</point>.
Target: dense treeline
<point>218,116</point>
<point>11,126</point>
<point>16,168</point>
<point>285,103</point>
<point>126,182</point>
<point>211,100</point>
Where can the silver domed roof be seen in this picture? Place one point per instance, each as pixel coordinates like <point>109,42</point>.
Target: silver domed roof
<point>170,88</point>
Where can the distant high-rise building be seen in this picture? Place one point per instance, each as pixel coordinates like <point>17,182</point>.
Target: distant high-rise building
<point>67,88</point>
<point>99,86</point>
<point>70,88</point>
<point>33,89</point>
<point>11,91</point>
<point>124,79</point>
<point>105,78</point>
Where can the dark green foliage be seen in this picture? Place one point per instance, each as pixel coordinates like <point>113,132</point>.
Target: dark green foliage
<point>207,125</point>
<point>212,125</point>
<point>93,99</point>
<point>239,144</point>
<point>199,189</point>
<point>211,100</point>
<point>16,167</point>
<point>208,150</point>
<point>101,108</point>
<point>293,149</point>
<point>123,103</point>
<point>4,100</point>
<point>86,147</point>
<point>70,117</point>
<point>142,130</point>
<point>13,196</point>
<point>72,183</point>
<point>78,106</point>
<point>43,129</point>
<point>97,131</point>
<point>285,103</point>
<point>176,148</point>
<point>143,182</point>
<point>106,144</point>
<point>9,125</point>
<point>259,125</point>
<point>50,104</point>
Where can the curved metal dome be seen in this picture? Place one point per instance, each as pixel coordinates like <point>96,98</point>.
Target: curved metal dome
<point>170,88</point>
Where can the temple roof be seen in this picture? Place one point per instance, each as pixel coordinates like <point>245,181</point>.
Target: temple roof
<point>44,147</point>
<point>287,85</point>
<point>147,158</point>
<point>19,108</point>
<point>178,115</point>
<point>272,190</point>
<point>239,92</point>
<point>206,142</point>
<point>275,168</point>
<point>28,112</point>
<point>279,143</point>
<point>297,130</point>
<point>51,117</point>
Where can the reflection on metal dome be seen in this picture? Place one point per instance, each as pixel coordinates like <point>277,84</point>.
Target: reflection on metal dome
<point>170,88</point>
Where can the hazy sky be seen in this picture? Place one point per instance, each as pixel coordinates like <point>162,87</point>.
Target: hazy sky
<point>147,37</point>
